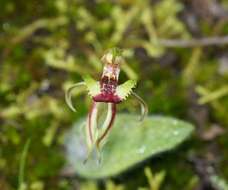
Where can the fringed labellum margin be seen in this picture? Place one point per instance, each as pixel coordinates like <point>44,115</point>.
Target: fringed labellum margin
<point>107,91</point>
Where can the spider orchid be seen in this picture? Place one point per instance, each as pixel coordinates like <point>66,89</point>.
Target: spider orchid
<point>107,91</point>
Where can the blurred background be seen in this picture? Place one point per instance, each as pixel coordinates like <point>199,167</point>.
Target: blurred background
<point>177,50</point>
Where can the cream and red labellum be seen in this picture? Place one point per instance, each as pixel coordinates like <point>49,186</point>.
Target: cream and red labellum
<point>108,91</point>
<point>108,85</point>
<point>109,80</point>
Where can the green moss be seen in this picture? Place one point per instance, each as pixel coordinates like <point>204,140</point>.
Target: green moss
<point>46,46</point>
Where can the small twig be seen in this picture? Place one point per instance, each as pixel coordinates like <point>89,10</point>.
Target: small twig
<point>22,165</point>
<point>207,41</point>
<point>27,31</point>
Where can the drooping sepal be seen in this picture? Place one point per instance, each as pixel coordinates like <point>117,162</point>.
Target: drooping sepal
<point>144,107</point>
<point>92,130</point>
<point>95,135</point>
<point>68,94</point>
<point>125,89</point>
<point>107,125</point>
<point>92,85</point>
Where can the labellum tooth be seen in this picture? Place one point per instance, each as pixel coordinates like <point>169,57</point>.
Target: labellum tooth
<point>92,85</point>
<point>125,89</point>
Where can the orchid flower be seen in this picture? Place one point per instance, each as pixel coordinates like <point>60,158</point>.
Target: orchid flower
<point>107,91</point>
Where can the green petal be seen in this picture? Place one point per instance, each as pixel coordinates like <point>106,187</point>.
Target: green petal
<point>125,89</point>
<point>92,85</point>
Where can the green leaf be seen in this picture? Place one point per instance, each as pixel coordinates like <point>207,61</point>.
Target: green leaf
<point>92,85</point>
<point>129,143</point>
<point>125,89</point>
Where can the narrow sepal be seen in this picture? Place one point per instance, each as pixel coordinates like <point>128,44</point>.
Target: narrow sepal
<point>107,124</point>
<point>91,128</point>
<point>144,107</point>
<point>68,94</point>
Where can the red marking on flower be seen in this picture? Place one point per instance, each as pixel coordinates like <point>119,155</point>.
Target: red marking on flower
<point>105,91</point>
<point>107,98</point>
<point>108,90</point>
